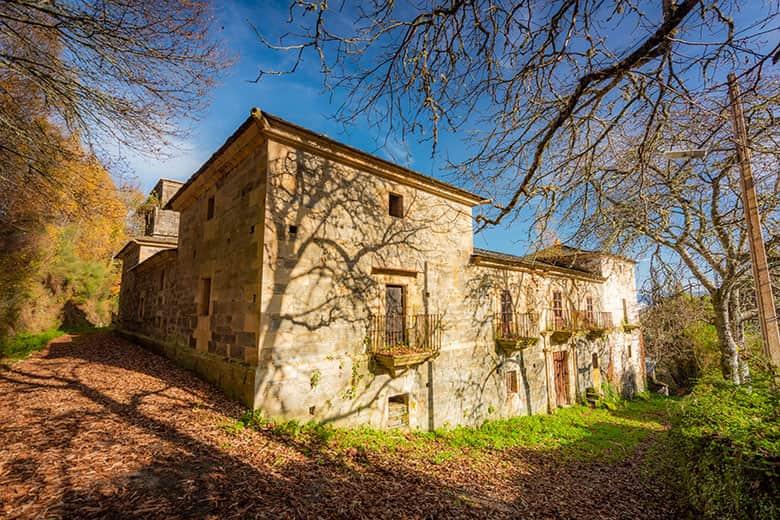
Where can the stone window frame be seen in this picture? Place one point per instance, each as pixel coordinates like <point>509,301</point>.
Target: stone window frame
<point>210,205</point>
<point>395,205</point>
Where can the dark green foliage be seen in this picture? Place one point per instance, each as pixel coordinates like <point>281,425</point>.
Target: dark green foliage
<point>727,444</point>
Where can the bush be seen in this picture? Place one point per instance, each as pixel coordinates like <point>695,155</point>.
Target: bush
<point>727,441</point>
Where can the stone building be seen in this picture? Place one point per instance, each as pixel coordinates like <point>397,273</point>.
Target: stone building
<point>315,281</point>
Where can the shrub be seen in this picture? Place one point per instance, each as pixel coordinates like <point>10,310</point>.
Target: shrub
<point>727,441</point>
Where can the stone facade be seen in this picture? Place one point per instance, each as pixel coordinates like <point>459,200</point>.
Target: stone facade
<point>290,246</point>
<point>162,222</point>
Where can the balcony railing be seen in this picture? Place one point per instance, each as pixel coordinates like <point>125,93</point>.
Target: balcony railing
<point>516,325</point>
<point>399,335</point>
<point>560,320</point>
<point>594,321</point>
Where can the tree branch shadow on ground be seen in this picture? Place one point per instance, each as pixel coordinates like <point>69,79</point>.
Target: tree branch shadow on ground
<point>97,427</point>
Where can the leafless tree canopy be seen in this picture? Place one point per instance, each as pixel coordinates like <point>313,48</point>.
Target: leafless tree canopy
<point>544,83</point>
<point>105,73</point>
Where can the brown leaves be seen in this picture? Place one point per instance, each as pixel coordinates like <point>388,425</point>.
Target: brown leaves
<point>96,427</point>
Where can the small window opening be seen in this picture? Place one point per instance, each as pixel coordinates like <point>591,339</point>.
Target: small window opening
<point>292,231</point>
<point>252,229</point>
<point>625,311</point>
<point>205,296</point>
<point>629,350</point>
<point>398,411</point>
<point>396,205</point>
<point>511,382</point>
<point>210,209</point>
<point>594,361</point>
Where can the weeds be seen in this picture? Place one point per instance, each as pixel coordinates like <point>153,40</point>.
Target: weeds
<point>578,432</point>
<point>22,345</point>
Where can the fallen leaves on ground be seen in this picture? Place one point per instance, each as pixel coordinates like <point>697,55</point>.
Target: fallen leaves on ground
<point>96,427</point>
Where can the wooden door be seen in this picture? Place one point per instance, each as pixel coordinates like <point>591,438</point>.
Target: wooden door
<point>561,369</point>
<point>395,313</point>
<point>507,314</point>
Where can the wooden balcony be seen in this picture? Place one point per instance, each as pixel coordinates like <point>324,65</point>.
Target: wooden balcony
<point>560,323</point>
<point>515,330</point>
<point>594,322</point>
<point>400,342</point>
<point>560,320</point>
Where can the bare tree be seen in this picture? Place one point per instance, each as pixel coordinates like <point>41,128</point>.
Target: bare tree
<point>103,74</point>
<point>538,85</point>
<point>688,213</point>
<point>566,106</point>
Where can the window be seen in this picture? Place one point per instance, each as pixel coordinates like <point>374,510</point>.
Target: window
<point>511,382</point>
<point>292,231</point>
<point>594,362</point>
<point>205,296</point>
<point>210,209</point>
<point>589,308</point>
<point>629,350</point>
<point>398,411</point>
<point>625,311</point>
<point>558,304</point>
<point>396,205</point>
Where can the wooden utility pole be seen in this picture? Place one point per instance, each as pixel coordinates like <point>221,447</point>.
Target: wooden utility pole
<point>767,315</point>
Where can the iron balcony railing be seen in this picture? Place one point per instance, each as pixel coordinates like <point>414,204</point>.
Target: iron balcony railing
<point>559,320</point>
<point>398,334</point>
<point>516,325</point>
<point>594,320</point>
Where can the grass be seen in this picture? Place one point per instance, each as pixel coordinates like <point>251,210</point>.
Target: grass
<point>22,345</point>
<point>577,432</point>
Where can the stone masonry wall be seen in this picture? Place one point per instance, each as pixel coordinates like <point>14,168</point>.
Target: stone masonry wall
<point>299,251</point>
<point>325,276</point>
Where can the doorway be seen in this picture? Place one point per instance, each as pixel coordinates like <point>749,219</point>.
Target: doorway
<point>507,314</point>
<point>561,370</point>
<point>395,315</point>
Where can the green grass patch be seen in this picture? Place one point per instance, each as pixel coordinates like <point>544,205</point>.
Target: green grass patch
<point>726,440</point>
<point>577,432</point>
<point>22,345</point>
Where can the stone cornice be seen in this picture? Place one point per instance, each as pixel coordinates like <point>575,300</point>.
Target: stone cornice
<point>533,267</point>
<point>291,134</point>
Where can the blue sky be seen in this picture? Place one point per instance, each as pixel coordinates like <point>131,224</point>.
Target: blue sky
<point>301,99</point>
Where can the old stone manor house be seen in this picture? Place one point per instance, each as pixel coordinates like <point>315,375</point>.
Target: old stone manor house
<point>315,281</point>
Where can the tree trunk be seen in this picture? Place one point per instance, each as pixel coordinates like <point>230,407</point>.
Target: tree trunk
<point>738,330</point>
<point>729,350</point>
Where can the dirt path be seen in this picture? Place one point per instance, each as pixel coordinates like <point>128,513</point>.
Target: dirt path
<point>97,427</point>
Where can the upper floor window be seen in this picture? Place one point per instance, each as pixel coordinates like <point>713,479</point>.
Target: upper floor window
<point>210,209</point>
<point>625,311</point>
<point>396,205</point>
<point>589,307</point>
<point>557,303</point>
